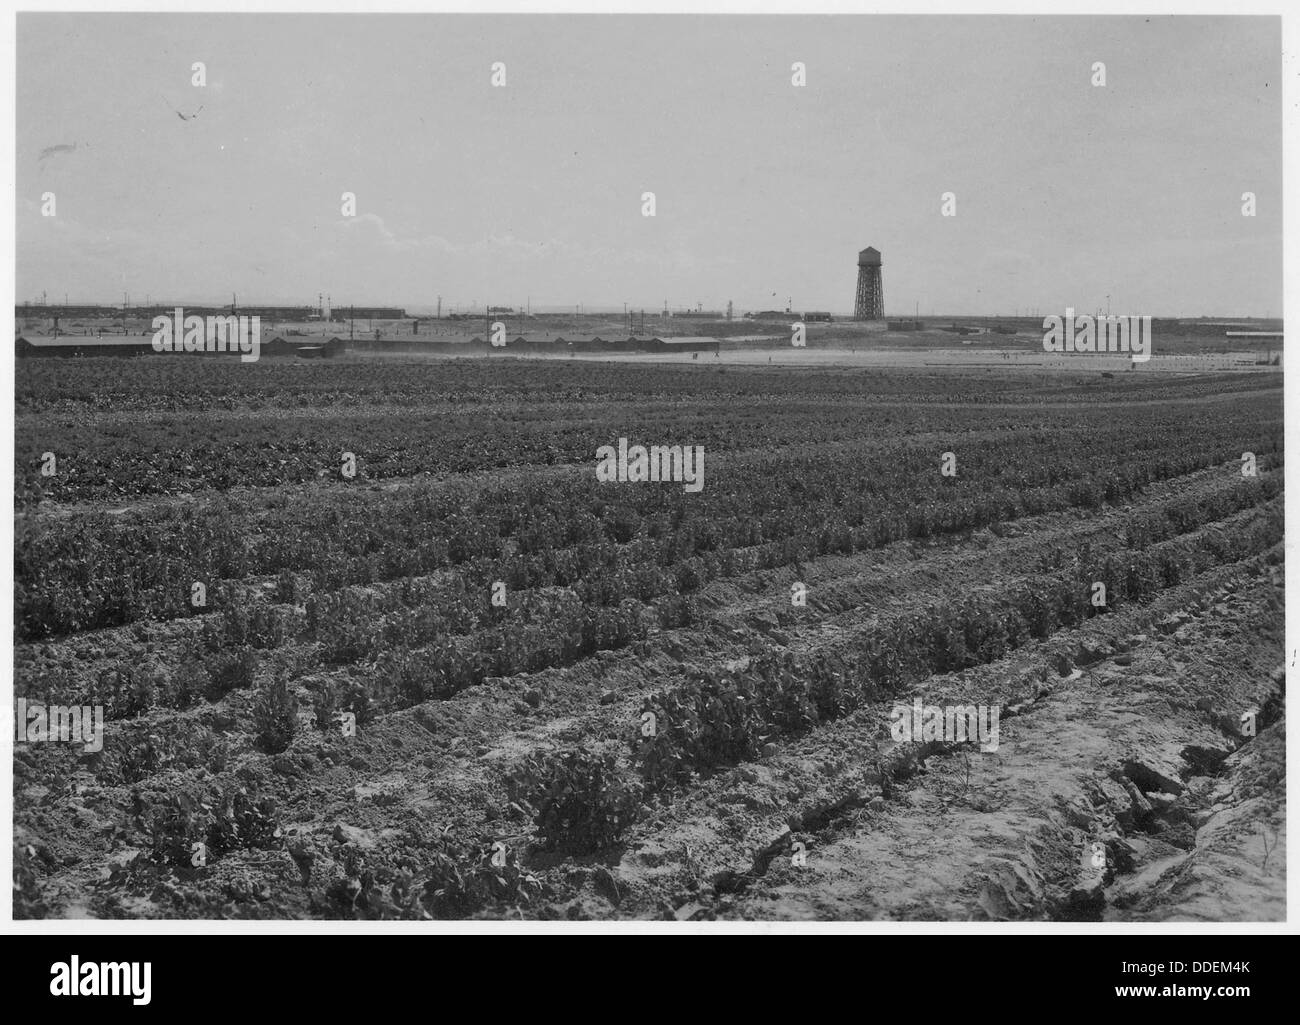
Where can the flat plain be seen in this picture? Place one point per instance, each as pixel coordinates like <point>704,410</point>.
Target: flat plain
<point>471,680</point>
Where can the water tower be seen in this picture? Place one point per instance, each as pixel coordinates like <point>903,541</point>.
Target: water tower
<point>869,303</point>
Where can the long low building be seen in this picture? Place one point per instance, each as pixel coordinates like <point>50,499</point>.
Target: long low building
<point>696,344</point>
<point>39,311</point>
<point>345,313</point>
<point>84,345</point>
<point>36,311</point>
<point>70,346</point>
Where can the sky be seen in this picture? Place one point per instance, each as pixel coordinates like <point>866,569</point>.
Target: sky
<point>1066,193</point>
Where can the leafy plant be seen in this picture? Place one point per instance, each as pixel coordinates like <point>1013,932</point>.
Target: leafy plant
<point>230,670</point>
<point>185,824</point>
<point>275,715</point>
<point>582,802</point>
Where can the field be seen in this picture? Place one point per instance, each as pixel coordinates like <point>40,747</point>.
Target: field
<point>373,641</point>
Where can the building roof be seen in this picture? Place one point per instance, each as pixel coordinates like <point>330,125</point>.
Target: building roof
<point>73,341</point>
<point>869,257</point>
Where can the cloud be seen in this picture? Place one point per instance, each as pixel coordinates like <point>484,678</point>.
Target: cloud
<point>371,227</point>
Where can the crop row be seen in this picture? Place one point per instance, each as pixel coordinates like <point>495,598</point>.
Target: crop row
<point>89,571</point>
<point>727,717</point>
<point>161,455</point>
<point>184,385</point>
<point>428,639</point>
<point>585,799</point>
<point>187,832</point>
<point>718,718</point>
